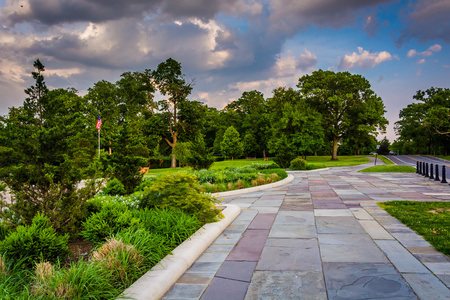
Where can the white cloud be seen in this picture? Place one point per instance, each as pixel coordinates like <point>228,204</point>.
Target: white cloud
<point>306,61</point>
<point>364,59</point>
<point>412,53</point>
<point>421,61</point>
<point>65,73</point>
<point>286,66</point>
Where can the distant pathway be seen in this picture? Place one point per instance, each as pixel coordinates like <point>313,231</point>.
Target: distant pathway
<point>322,237</point>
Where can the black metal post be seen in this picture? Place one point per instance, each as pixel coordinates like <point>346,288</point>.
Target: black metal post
<point>426,170</point>
<point>424,173</point>
<point>420,168</point>
<point>431,171</point>
<point>437,173</point>
<point>417,167</point>
<point>443,175</point>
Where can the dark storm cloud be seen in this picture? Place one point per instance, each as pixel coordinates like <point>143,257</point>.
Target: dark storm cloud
<point>289,17</point>
<point>52,12</point>
<point>429,20</point>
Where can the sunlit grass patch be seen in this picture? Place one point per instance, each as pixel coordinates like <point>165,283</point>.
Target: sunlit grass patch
<point>431,220</point>
<point>390,169</point>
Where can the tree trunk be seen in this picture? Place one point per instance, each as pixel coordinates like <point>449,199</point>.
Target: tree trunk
<point>174,160</point>
<point>335,148</point>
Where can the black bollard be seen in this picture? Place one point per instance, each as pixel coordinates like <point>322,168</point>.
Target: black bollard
<point>437,173</point>
<point>417,167</point>
<point>431,171</point>
<point>424,173</point>
<point>443,175</point>
<point>426,170</point>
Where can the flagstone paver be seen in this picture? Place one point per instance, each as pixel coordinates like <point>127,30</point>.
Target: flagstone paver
<point>322,236</point>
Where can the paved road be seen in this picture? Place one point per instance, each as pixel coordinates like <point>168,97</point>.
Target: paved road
<point>321,237</point>
<point>411,160</point>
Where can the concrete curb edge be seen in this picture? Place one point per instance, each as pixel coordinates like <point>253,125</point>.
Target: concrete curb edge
<point>156,282</point>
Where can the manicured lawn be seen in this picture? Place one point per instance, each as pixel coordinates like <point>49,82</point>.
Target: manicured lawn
<point>218,165</point>
<point>429,219</point>
<point>343,161</point>
<point>390,169</point>
<point>442,156</point>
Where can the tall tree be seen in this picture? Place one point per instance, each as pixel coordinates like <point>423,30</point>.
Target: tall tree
<point>231,144</point>
<point>170,81</point>
<point>345,102</point>
<point>36,94</point>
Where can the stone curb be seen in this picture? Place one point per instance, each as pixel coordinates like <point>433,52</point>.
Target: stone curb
<point>288,179</point>
<point>156,282</point>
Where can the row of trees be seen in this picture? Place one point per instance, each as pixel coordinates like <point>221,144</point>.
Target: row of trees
<point>424,127</point>
<point>48,145</point>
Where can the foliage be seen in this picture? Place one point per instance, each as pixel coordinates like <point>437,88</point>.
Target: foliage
<point>298,164</point>
<point>429,219</point>
<point>181,191</point>
<point>347,104</point>
<point>146,182</point>
<point>81,280</point>
<point>182,152</point>
<point>424,127</point>
<point>231,145</point>
<point>250,147</point>
<point>284,151</point>
<point>384,147</point>
<point>200,157</point>
<point>113,217</point>
<point>390,169</point>
<point>172,223</point>
<point>29,244</point>
<point>152,245</point>
<point>122,261</point>
<point>114,187</point>
<point>159,162</point>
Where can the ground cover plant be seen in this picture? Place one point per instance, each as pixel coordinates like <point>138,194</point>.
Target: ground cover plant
<point>390,169</point>
<point>431,220</point>
<point>130,235</point>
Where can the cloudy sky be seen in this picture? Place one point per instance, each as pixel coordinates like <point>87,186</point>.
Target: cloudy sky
<point>227,46</point>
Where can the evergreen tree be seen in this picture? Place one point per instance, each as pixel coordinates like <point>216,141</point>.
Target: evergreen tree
<point>231,145</point>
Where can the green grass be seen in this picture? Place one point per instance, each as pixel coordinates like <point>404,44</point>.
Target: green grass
<point>431,220</point>
<point>343,161</point>
<point>390,169</point>
<point>442,156</point>
<point>218,165</point>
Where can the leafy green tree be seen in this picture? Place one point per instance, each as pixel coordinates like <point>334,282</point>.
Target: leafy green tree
<point>41,161</point>
<point>231,145</point>
<point>200,156</point>
<point>284,151</point>
<point>345,101</point>
<point>183,151</point>
<point>170,81</point>
<point>249,114</point>
<point>249,145</point>
<point>292,118</point>
<point>423,127</point>
<point>36,94</point>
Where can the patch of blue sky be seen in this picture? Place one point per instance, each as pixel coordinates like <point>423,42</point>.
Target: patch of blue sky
<point>241,24</point>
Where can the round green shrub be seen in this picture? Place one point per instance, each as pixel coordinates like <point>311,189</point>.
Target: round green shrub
<point>298,164</point>
<point>112,218</point>
<point>39,241</point>
<point>114,187</point>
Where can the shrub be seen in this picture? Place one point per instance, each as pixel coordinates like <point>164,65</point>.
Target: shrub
<point>4,231</point>
<point>122,260</point>
<point>282,174</point>
<point>39,241</point>
<point>114,187</point>
<point>112,218</point>
<point>275,177</point>
<point>181,191</point>
<point>200,157</point>
<point>146,183</point>
<point>257,166</point>
<point>298,164</point>
<point>254,183</point>
<point>269,180</point>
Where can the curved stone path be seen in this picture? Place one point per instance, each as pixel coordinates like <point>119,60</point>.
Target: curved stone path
<point>322,236</point>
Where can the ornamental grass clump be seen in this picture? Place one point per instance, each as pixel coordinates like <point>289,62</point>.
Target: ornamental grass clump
<point>122,260</point>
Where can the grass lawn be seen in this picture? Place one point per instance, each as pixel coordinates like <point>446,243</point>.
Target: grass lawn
<point>442,156</point>
<point>218,165</point>
<point>429,219</point>
<point>390,169</point>
<point>343,161</point>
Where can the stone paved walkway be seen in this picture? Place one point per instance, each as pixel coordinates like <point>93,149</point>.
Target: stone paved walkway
<point>322,237</point>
